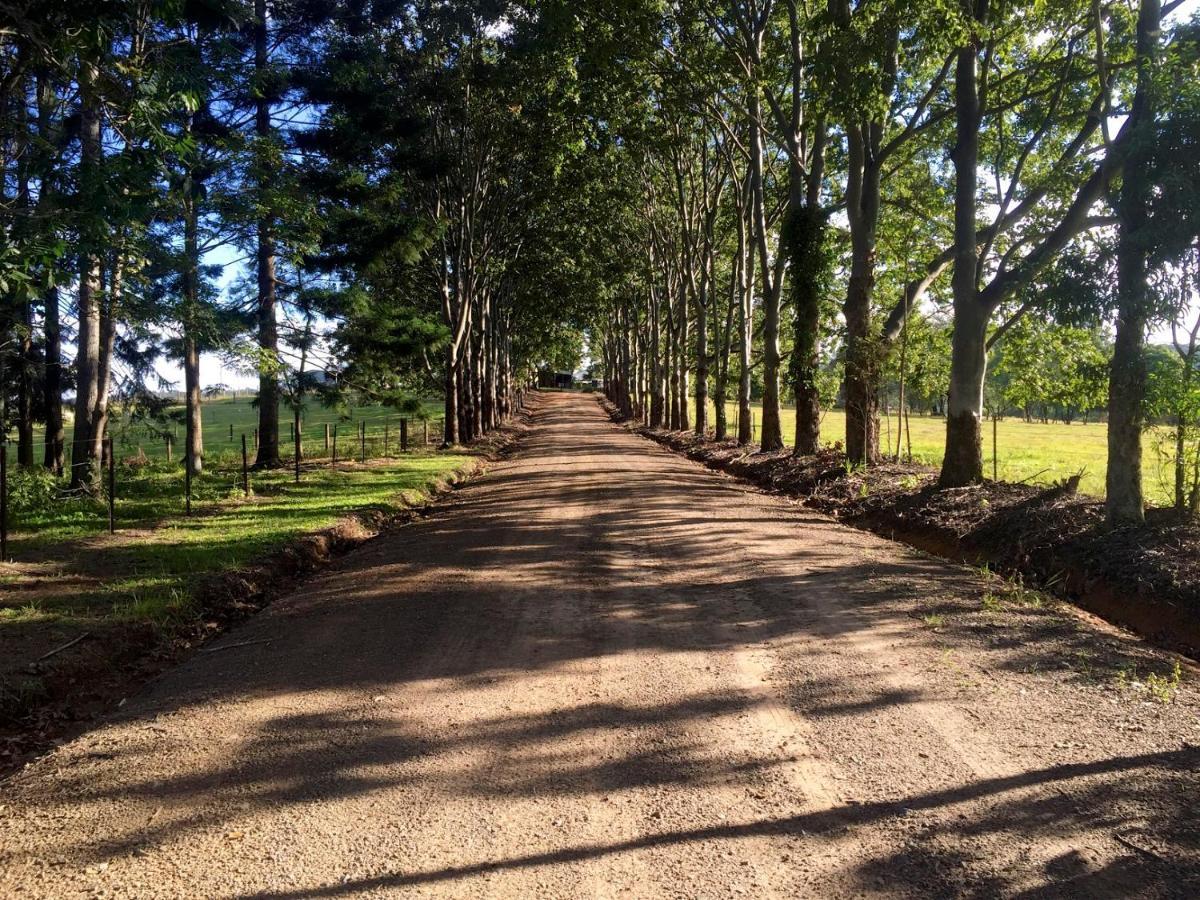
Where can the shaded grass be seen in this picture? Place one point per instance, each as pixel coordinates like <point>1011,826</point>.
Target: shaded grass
<point>1039,453</point>
<point>147,570</point>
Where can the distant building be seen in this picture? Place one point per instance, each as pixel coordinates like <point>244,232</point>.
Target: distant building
<point>559,380</point>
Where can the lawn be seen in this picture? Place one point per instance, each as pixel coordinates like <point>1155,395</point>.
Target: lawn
<point>66,569</point>
<point>226,419</point>
<point>1025,450</point>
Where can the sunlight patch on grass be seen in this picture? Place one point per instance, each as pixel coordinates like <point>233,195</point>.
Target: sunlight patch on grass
<point>1026,451</point>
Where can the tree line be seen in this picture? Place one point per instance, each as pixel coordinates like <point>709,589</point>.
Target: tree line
<point>813,183</point>
<point>333,196</point>
<point>812,202</point>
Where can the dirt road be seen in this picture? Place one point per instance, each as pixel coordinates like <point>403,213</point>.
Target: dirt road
<point>603,671</point>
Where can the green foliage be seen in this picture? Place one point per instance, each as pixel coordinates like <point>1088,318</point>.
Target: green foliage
<point>31,491</point>
<point>1053,370</point>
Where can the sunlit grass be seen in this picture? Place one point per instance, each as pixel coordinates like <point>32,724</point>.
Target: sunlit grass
<point>148,569</point>
<point>240,413</point>
<point>1039,453</point>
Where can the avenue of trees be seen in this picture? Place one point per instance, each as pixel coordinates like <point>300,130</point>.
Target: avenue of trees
<point>846,201</point>
<point>969,204</point>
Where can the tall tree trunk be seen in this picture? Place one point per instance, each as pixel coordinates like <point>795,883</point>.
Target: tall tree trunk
<point>268,329</point>
<point>53,384</point>
<point>746,333</point>
<point>681,360</point>
<point>963,462</point>
<point>772,431</point>
<point>862,364</point>
<point>804,236</point>
<point>110,303</point>
<point>25,361</point>
<point>53,378</point>
<point>656,359</point>
<point>672,373</point>
<point>194,437</point>
<point>702,360</point>
<point>1124,501</point>
<point>721,382</point>
<point>194,433</point>
<point>84,459</point>
<point>450,412</point>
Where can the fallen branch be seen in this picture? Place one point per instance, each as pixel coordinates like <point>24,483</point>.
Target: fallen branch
<point>233,646</point>
<point>70,643</point>
<point>1031,477</point>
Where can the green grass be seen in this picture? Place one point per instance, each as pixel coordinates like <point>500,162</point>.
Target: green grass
<point>218,415</point>
<point>147,570</point>
<point>1029,451</point>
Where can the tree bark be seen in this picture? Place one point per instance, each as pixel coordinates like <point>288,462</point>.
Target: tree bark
<point>85,473</point>
<point>772,431</point>
<point>963,462</point>
<point>450,411</point>
<point>1124,501</point>
<point>862,346</point>
<point>53,379</point>
<point>746,333</point>
<point>55,434</point>
<point>268,329</point>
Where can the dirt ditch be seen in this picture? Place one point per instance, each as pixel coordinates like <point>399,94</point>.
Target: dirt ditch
<point>1146,578</point>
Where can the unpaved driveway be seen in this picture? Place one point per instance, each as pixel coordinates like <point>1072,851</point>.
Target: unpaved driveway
<point>602,670</point>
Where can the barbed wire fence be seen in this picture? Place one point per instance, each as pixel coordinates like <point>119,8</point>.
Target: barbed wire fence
<point>143,469</point>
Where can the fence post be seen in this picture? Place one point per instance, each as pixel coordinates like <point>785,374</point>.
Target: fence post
<point>386,439</point>
<point>231,432</point>
<point>170,447</point>
<point>326,438</point>
<point>112,487</point>
<point>426,424</point>
<point>4,499</point>
<point>995,460</point>
<point>334,457</point>
<point>245,469</point>
<point>404,435</point>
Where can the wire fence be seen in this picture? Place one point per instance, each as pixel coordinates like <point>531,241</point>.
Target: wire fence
<point>135,485</point>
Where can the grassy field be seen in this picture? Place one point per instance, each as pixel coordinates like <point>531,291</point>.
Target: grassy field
<point>65,570</point>
<point>144,571</point>
<point>1025,450</point>
<point>238,413</point>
